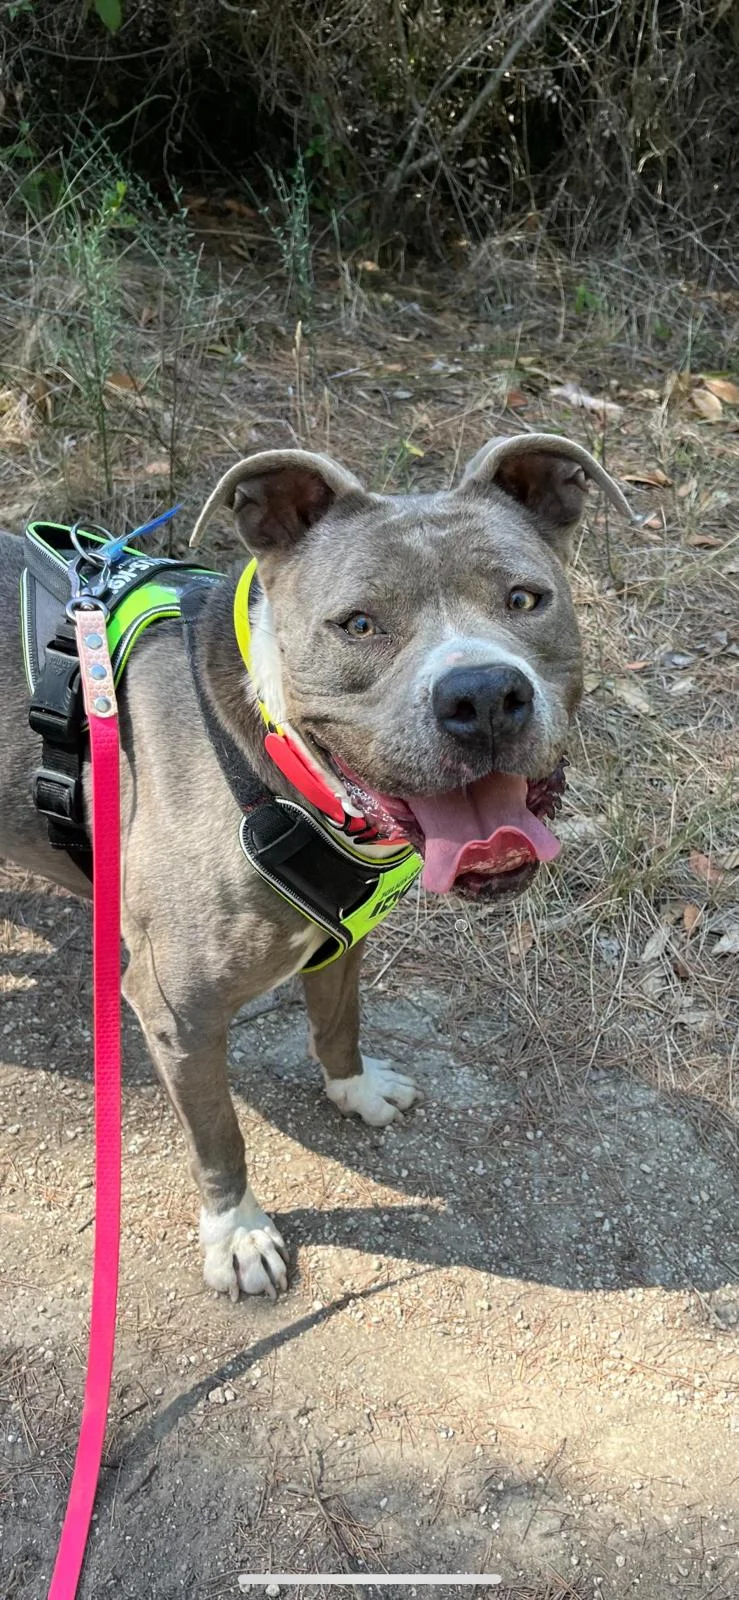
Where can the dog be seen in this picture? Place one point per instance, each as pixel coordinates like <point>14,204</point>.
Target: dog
<point>422,655</point>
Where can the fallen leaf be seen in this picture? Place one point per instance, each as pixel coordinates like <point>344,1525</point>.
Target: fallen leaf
<point>653,983</point>
<point>675,384</point>
<point>656,944</point>
<point>654,478</point>
<point>692,1018</point>
<point>591,682</point>
<point>147,316</point>
<point>723,389</point>
<point>704,541</point>
<point>41,393</point>
<point>122,380</point>
<point>654,522</point>
<point>238,209</point>
<point>157,469</point>
<point>707,405</point>
<point>689,487</point>
<point>580,400</point>
<point>520,941</point>
<point>730,861</point>
<point>631,695</point>
<point>577,830</point>
<point>516,400</point>
<point>672,911</point>
<point>728,945</point>
<point>680,967</point>
<point>724,921</point>
<point>636,666</point>
<point>678,658</point>
<point>691,915</point>
<point>529,364</point>
<point>714,497</point>
<point>704,868</point>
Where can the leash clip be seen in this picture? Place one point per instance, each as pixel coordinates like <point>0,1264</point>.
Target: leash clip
<point>87,590</point>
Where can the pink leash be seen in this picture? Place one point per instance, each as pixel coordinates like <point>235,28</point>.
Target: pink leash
<point>102,714</point>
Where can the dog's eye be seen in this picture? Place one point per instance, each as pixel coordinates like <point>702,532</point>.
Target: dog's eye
<point>360,626</point>
<point>523,600</point>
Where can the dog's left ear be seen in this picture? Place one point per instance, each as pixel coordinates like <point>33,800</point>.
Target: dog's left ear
<point>546,474</point>
<point>277,495</point>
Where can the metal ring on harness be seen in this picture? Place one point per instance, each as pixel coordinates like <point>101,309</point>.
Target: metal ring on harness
<point>86,591</point>
<point>88,551</point>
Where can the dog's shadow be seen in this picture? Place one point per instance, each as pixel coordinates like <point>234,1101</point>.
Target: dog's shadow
<point>609,1185</point>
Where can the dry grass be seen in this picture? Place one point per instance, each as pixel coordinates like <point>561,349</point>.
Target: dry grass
<point>614,959</point>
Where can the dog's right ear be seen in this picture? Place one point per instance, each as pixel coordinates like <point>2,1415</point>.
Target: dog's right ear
<point>277,496</point>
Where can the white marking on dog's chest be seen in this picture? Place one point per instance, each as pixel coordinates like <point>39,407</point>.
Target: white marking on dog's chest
<point>305,944</point>
<point>266,678</point>
<point>265,660</point>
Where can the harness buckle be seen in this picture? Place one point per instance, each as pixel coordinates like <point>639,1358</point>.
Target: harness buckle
<point>56,709</point>
<point>57,795</point>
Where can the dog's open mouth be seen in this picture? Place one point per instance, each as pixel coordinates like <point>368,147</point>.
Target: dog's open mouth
<point>488,837</point>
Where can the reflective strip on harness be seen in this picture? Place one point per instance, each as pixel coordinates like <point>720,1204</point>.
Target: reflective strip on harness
<point>334,884</point>
<point>151,602</point>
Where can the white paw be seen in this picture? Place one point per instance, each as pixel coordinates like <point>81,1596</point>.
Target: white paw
<point>243,1250</point>
<point>377,1094</point>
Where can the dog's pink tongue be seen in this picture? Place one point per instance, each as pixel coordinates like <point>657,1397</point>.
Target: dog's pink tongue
<point>484,828</point>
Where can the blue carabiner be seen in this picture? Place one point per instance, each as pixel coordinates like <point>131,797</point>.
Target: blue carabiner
<point>113,550</point>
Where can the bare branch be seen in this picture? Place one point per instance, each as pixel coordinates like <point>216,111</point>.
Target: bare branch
<point>493,83</point>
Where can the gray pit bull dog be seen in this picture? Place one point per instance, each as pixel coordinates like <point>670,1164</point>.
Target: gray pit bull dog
<point>423,651</point>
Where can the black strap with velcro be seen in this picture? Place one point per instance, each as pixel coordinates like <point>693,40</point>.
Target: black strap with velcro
<point>57,713</point>
<point>287,845</point>
<point>292,850</point>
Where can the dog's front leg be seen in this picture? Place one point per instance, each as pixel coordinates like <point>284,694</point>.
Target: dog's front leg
<point>355,1083</point>
<point>242,1248</point>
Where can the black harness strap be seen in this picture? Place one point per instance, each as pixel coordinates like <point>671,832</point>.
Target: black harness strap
<point>285,843</point>
<point>57,714</point>
<point>246,788</point>
<point>56,710</point>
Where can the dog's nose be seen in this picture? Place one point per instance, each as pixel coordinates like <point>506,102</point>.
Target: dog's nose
<point>479,704</point>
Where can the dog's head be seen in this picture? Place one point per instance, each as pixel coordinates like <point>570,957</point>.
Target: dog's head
<point>425,647</point>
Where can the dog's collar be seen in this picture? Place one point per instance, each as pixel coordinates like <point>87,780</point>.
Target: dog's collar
<point>282,745</point>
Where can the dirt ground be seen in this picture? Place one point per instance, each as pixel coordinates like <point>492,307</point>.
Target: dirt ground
<point>511,1341</point>
<point>510,1345</point>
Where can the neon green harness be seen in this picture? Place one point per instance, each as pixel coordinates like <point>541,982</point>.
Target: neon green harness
<point>385,871</point>
<point>341,886</point>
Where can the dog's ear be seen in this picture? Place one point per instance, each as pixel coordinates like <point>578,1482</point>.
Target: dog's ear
<point>546,474</point>
<point>277,496</point>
